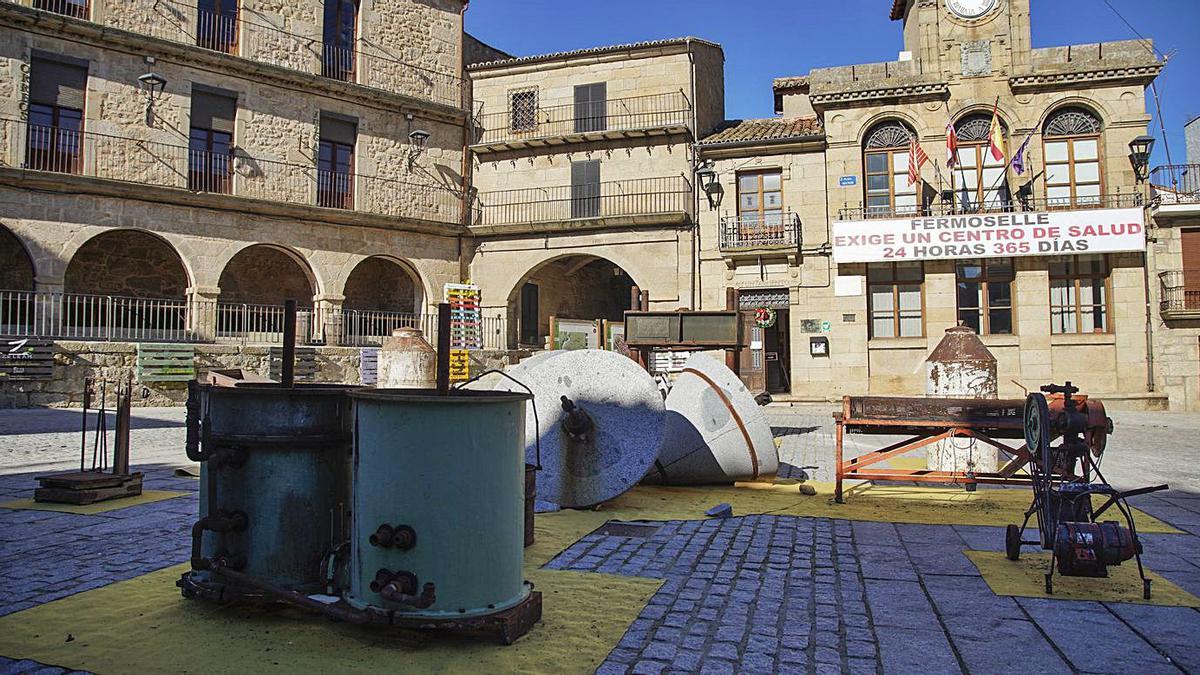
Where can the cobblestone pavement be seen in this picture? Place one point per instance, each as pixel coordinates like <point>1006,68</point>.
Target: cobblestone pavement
<point>758,593</point>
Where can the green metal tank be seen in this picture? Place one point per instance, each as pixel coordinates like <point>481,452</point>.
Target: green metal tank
<point>275,480</point>
<point>437,527</point>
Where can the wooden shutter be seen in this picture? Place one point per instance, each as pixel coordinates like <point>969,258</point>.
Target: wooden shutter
<point>338,130</point>
<point>57,83</point>
<point>1191,260</point>
<point>585,189</point>
<point>214,111</point>
<point>591,101</point>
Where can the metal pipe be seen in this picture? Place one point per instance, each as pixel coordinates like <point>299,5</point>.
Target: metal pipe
<point>288,369</point>
<point>393,593</point>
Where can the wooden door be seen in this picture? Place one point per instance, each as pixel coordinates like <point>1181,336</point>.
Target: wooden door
<point>775,346</point>
<point>751,361</point>
<point>1191,269</point>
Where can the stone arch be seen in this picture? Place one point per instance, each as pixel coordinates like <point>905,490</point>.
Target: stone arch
<point>127,263</point>
<point>1088,105</point>
<point>571,286</point>
<point>384,284</point>
<point>16,265</point>
<point>267,274</point>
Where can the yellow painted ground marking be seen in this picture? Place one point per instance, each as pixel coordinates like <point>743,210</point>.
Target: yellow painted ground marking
<point>147,497</point>
<point>1026,578</point>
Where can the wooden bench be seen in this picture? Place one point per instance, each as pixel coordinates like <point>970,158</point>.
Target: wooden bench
<point>926,421</point>
<point>165,363</point>
<point>306,364</point>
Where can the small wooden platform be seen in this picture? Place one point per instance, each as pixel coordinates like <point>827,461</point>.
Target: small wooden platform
<point>86,487</point>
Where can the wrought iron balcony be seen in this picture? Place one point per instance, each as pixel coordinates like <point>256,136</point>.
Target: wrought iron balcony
<point>134,160</point>
<point>556,125</point>
<point>625,199</point>
<point>1114,201</point>
<point>1176,184</point>
<point>760,232</point>
<point>1179,299</point>
<point>255,36</point>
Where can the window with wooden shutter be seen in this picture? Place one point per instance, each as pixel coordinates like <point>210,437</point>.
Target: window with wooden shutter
<point>1191,269</point>
<point>55,133</point>
<point>591,107</point>
<point>210,141</point>
<point>335,163</point>
<point>585,189</point>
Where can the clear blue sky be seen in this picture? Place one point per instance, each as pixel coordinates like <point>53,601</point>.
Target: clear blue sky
<point>768,39</point>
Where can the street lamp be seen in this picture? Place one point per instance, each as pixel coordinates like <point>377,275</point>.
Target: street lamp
<point>706,176</point>
<point>1139,156</point>
<point>152,85</point>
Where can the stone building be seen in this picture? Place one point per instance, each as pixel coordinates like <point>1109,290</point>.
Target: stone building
<point>861,318</point>
<point>583,167</point>
<point>176,170</point>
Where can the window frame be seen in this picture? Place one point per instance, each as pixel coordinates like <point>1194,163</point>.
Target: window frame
<point>984,310</point>
<point>344,63</point>
<point>760,213</point>
<point>1077,279</point>
<point>344,198</point>
<point>890,154</point>
<point>210,175</point>
<point>60,162</point>
<point>1070,164</point>
<point>513,118</point>
<point>591,114</point>
<point>218,37</point>
<point>895,283</point>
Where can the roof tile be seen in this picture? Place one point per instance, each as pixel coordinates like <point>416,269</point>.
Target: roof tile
<point>771,129</point>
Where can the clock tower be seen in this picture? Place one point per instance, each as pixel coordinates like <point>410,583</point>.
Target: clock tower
<point>964,39</point>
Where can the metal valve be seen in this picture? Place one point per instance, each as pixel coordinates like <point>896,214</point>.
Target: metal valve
<point>402,537</point>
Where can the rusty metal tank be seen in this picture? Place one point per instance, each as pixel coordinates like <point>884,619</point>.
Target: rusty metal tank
<point>275,479</point>
<point>961,367</point>
<point>407,361</point>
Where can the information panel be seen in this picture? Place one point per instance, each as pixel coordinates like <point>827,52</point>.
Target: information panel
<point>990,235</point>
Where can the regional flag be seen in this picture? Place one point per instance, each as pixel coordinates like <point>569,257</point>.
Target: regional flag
<point>1018,162</point>
<point>951,146</point>
<point>996,136</point>
<point>916,159</point>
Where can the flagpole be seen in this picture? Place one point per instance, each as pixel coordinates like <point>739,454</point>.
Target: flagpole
<point>957,159</point>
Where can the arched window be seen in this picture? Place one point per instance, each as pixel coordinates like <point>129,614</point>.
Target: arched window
<point>1072,143</point>
<point>979,178</point>
<point>885,156</point>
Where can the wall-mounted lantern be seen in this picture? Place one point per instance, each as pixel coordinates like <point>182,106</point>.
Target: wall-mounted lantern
<point>706,177</point>
<point>1139,156</point>
<point>151,85</point>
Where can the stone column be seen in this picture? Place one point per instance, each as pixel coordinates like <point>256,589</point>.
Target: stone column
<point>202,312</point>
<point>327,318</point>
<point>47,319</point>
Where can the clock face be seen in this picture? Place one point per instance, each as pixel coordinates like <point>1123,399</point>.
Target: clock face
<point>970,9</point>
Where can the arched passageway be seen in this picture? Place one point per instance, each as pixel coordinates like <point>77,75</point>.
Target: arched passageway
<point>266,275</point>
<point>382,295</point>
<point>128,264</point>
<point>580,287</point>
<point>380,284</point>
<point>16,268</point>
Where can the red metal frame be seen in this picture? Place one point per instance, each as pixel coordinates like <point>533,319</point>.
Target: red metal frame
<point>854,468</point>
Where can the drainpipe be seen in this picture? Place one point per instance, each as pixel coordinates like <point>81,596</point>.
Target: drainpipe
<point>694,264</point>
<point>468,101</point>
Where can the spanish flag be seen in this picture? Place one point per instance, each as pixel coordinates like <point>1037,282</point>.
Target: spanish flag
<point>996,135</point>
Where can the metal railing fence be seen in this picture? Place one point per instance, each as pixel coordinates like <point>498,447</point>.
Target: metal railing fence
<point>748,232</point>
<point>1176,183</point>
<point>637,197</point>
<point>518,123</point>
<point>1177,294</point>
<point>1113,201</point>
<point>110,318</point>
<point>149,162</point>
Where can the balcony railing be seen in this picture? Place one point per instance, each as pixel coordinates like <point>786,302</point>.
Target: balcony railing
<point>260,36</point>
<point>625,198</point>
<point>76,8</point>
<point>1115,201</point>
<point>1176,184</point>
<point>518,124</point>
<point>134,160</point>
<point>1177,294</point>
<point>760,231</point>
<point>87,317</point>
